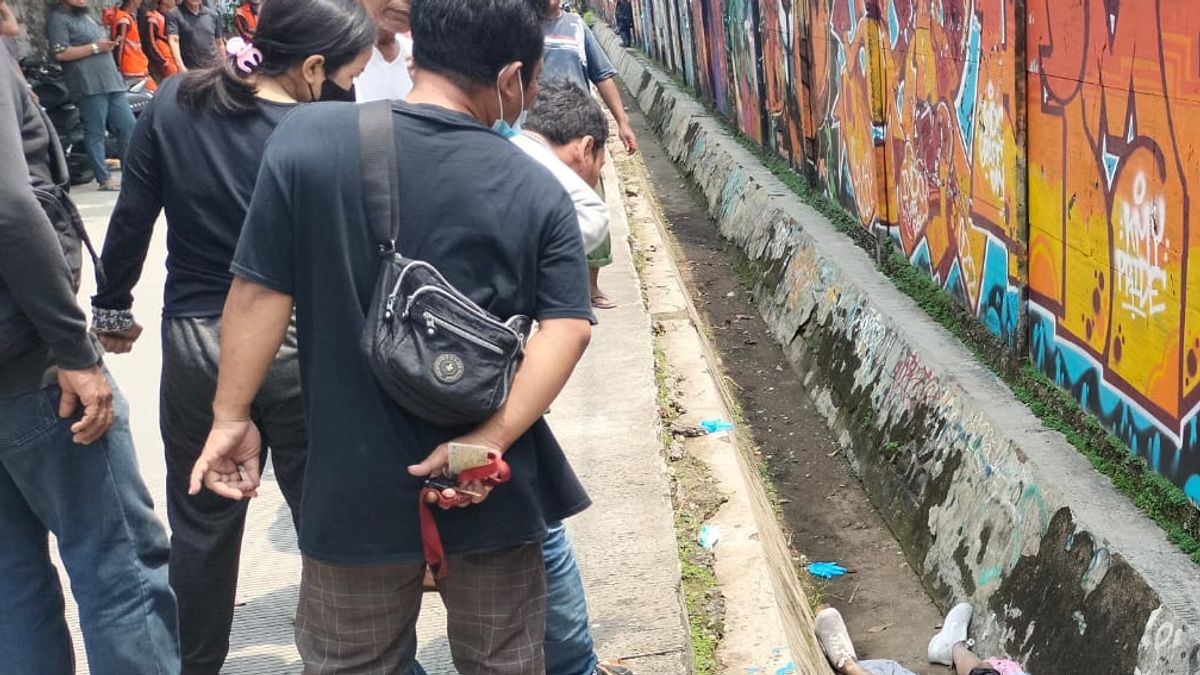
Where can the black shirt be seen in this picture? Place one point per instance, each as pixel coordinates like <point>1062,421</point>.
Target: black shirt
<point>498,226</point>
<point>201,166</point>
<point>198,35</point>
<point>35,279</point>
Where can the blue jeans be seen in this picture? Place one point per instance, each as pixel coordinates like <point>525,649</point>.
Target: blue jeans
<point>114,548</point>
<point>569,646</point>
<point>99,113</point>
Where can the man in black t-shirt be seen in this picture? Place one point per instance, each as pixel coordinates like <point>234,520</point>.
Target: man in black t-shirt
<point>501,229</point>
<point>196,34</point>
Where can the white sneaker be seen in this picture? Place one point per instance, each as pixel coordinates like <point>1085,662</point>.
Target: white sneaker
<point>834,638</point>
<point>954,631</point>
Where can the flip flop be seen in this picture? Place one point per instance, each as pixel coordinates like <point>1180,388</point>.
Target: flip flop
<point>603,302</point>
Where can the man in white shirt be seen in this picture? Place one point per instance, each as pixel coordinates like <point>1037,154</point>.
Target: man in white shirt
<point>387,75</point>
<point>565,133</point>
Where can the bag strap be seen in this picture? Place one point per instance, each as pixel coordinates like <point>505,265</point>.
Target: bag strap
<point>380,174</point>
<point>60,174</point>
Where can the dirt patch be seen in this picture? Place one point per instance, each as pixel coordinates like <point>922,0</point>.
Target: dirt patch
<point>823,503</point>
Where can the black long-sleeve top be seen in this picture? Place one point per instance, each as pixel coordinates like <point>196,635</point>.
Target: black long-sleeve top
<point>34,273</point>
<point>201,168</point>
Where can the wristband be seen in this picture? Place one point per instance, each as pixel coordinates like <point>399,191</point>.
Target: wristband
<point>111,320</point>
<point>95,49</point>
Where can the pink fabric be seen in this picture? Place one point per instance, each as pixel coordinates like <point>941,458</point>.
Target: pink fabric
<point>1006,667</point>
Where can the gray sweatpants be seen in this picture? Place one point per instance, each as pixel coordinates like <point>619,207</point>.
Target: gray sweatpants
<point>206,530</point>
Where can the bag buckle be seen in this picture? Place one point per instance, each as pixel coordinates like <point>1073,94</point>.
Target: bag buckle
<point>387,248</point>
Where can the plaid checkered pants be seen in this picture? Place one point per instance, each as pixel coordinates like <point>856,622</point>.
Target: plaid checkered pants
<point>363,620</point>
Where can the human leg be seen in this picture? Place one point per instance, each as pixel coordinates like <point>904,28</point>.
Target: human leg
<point>93,112</point>
<point>31,599</point>
<point>831,633</point>
<point>598,258</point>
<point>954,631</point>
<point>965,661</point>
<point>358,619</point>
<point>834,638</point>
<point>569,647</point>
<point>496,611</point>
<point>121,121</point>
<point>112,545</point>
<point>206,530</point>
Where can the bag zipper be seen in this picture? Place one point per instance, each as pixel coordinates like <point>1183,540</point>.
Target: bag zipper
<point>433,322</point>
<point>461,301</point>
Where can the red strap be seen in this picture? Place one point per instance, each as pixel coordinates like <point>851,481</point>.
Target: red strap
<point>495,472</point>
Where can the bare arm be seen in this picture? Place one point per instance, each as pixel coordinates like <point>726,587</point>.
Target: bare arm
<point>612,98</point>
<point>8,21</point>
<point>84,51</point>
<point>252,329</point>
<point>174,40</point>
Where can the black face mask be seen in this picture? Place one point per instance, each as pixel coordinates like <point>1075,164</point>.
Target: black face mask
<point>330,91</point>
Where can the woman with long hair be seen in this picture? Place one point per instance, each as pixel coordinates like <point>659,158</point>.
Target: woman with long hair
<point>196,154</point>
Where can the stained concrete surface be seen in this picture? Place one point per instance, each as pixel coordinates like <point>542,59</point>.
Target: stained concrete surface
<point>825,508</point>
<point>606,420</point>
<point>966,477</point>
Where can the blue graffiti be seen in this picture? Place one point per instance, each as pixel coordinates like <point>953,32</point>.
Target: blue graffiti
<point>893,23</point>
<point>968,90</point>
<point>1073,369</point>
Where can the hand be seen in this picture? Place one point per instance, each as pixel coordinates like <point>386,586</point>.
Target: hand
<point>230,464</point>
<point>120,341</point>
<point>105,46</point>
<point>628,138</point>
<point>435,465</point>
<point>91,388</point>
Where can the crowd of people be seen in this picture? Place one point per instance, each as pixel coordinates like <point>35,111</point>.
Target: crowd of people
<point>252,147</point>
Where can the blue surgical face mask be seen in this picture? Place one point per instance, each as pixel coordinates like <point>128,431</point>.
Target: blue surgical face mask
<point>501,126</point>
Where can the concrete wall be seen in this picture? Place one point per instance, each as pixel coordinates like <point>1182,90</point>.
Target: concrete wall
<point>1034,158</point>
<point>989,506</point>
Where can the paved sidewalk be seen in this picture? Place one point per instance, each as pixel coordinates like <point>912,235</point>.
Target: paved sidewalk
<point>608,421</point>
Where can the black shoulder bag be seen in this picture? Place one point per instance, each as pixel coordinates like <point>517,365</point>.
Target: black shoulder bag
<point>436,353</point>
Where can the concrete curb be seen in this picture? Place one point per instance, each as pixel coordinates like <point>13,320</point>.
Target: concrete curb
<point>989,505</point>
<point>768,627</point>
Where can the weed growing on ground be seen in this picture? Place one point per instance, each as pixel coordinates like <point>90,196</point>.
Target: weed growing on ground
<point>702,595</point>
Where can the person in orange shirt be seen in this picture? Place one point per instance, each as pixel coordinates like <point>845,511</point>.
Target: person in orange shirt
<point>245,19</point>
<point>108,14</point>
<point>162,59</point>
<point>131,60</point>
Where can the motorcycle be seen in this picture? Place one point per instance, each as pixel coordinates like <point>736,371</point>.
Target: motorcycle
<point>48,84</point>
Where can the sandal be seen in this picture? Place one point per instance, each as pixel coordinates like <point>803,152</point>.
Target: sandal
<point>602,301</point>
<point>612,669</point>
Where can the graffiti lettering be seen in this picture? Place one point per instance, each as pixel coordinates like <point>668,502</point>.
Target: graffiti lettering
<point>1141,251</point>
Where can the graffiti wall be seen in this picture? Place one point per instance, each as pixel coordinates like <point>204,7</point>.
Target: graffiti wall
<point>786,53</point>
<point>1114,122</point>
<point>915,104</point>
<point>1012,149</point>
<point>950,102</point>
<point>741,34</point>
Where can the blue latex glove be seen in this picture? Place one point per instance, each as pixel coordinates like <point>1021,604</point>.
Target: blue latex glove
<point>715,426</point>
<point>826,570</point>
